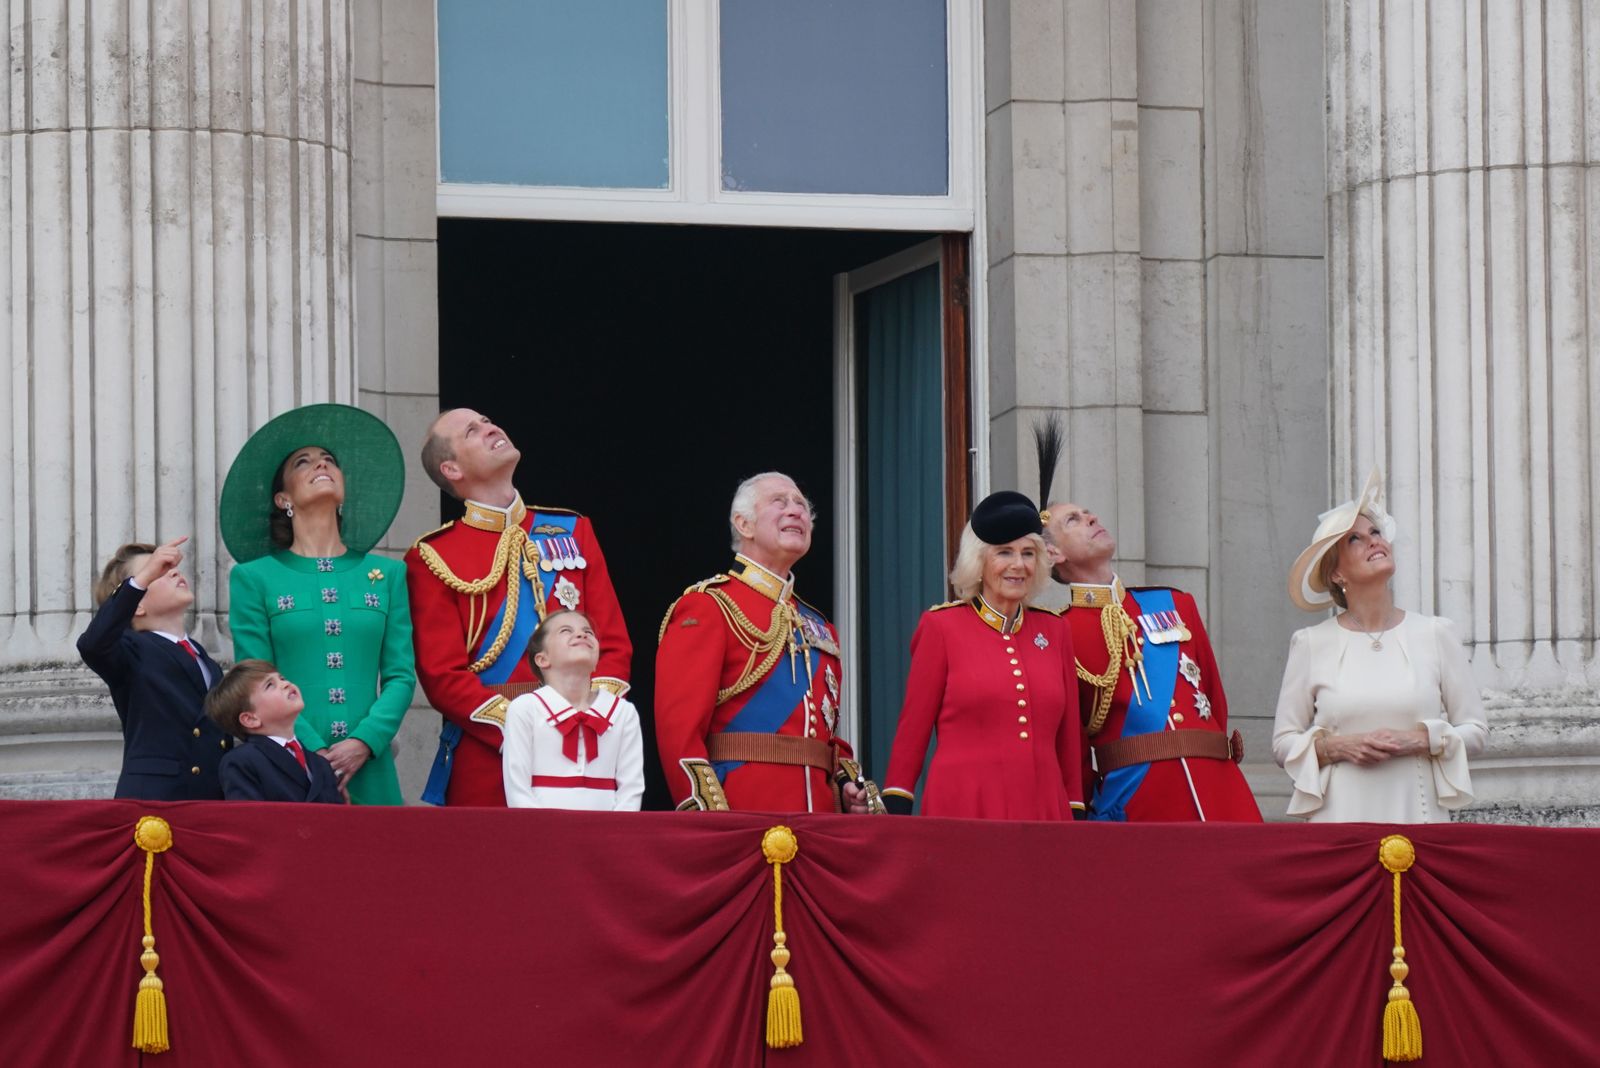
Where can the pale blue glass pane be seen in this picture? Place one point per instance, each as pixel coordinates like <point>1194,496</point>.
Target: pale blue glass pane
<point>835,96</point>
<point>554,92</point>
<point>901,497</point>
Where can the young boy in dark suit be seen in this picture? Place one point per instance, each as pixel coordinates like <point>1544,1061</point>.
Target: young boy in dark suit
<point>158,676</point>
<point>257,704</point>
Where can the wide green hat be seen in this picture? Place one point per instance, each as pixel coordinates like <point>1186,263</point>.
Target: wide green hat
<point>368,454</point>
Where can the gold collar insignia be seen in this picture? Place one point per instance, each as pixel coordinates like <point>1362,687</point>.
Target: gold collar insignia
<point>761,580</point>
<point>1093,595</point>
<point>997,620</point>
<point>480,516</point>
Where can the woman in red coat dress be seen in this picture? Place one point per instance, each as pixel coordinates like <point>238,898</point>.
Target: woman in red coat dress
<point>995,677</point>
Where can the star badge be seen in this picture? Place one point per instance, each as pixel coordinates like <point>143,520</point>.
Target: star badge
<point>1189,670</point>
<point>1041,641</point>
<point>1202,705</point>
<point>567,593</point>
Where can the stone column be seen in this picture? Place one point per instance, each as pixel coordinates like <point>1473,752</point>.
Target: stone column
<point>174,269</point>
<point>1464,230</point>
<point>1063,227</point>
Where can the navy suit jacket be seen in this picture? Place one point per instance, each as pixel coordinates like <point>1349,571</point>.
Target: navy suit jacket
<point>262,770</point>
<point>170,747</point>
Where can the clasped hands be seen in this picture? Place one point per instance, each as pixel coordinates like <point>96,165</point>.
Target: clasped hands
<point>1373,747</point>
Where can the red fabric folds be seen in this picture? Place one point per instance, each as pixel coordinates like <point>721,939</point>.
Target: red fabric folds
<point>308,934</point>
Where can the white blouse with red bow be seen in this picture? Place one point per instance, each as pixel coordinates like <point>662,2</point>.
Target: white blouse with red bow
<point>557,756</point>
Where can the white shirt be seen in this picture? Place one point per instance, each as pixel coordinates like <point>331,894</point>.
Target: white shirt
<point>1336,683</point>
<point>535,748</point>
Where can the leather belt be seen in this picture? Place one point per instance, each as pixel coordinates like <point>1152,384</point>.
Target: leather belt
<point>1167,745</point>
<point>513,690</point>
<point>749,747</point>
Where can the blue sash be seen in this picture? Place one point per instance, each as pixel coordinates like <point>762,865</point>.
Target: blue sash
<point>528,616</point>
<point>529,612</point>
<point>1145,715</point>
<point>774,701</point>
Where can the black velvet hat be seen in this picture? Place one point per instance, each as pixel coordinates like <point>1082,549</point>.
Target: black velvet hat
<point>1004,517</point>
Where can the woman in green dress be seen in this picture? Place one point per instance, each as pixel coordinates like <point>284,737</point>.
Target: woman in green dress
<point>307,497</point>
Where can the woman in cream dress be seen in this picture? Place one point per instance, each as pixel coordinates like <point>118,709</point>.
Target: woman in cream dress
<point>1379,710</point>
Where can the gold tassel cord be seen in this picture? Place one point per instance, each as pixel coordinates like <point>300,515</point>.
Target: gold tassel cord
<point>153,835</point>
<point>1402,1029</point>
<point>779,846</point>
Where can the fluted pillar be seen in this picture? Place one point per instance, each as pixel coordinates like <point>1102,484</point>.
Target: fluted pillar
<point>174,268</point>
<point>1464,229</point>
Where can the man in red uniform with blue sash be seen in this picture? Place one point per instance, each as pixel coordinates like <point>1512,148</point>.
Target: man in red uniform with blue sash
<point>748,679</point>
<point>480,585</point>
<point>1148,689</point>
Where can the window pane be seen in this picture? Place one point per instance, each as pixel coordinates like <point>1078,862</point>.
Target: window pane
<point>552,92</point>
<point>835,96</point>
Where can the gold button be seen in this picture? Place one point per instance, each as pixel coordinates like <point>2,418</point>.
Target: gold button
<point>1010,650</point>
<point>1013,662</point>
<point>1177,717</point>
<point>1021,703</point>
<point>194,770</point>
<point>1022,719</point>
<point>1020,686</point>
<point>1174,702</point>
<point>813,719</point>
<point>223,744</point>
<point>1017,672</point>
<point>197,732</point>
<point>1024,734</point>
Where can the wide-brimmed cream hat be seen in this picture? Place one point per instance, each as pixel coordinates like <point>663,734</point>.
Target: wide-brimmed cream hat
<point>1306,588</point>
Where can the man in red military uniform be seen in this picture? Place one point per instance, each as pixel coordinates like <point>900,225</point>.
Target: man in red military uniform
<point>480,585</point>
<point>747,676</point>
<point>1148,689</point>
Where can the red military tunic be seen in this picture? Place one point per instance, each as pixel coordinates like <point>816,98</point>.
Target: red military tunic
<point>1005,704</point>
<point>451,626</point>
<point>703,653</point>
<point>1164,793</point>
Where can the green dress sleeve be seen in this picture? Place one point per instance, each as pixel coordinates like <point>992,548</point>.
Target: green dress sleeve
<point>397,672</point>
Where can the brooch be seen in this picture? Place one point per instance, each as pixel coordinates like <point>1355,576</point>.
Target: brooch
<point>1189,670</point>
<point>1041,641</point>
<point>375,575</point>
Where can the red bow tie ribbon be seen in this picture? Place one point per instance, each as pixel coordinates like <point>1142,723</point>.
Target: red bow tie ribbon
<point>587,725</point>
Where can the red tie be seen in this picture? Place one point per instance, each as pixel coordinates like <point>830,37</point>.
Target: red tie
<point>299,754</point>
<point>189,649</point>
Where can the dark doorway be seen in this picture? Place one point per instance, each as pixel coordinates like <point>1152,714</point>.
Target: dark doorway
<point>643,371</point>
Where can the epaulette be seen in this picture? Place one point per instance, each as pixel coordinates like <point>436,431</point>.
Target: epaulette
<point>1046,609</point>
<point>431,533</point>
<point>947,604</point>
<point>552,509</point>
<point>699,587</point>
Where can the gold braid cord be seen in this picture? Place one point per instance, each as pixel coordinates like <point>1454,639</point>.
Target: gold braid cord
<point>514,544</point>
<point>1122,642</point>
<point>765,645</point>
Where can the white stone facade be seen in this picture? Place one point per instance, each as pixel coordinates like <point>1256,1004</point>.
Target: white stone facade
<point>1245,247</point>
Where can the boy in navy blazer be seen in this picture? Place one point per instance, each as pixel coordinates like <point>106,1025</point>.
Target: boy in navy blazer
<point>157,674</point>
<point>257,704</point>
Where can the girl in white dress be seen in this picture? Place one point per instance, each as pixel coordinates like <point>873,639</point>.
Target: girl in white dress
<point>1379,710</point>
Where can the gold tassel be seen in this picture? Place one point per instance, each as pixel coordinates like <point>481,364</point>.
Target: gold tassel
<point>152,835</point>
<point>1402,1030</point>
<point>779,847</point>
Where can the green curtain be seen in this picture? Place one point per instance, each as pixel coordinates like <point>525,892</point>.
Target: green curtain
<point>901,487</point>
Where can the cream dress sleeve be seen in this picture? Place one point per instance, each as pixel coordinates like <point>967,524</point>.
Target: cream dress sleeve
<point>1462,728</point>
<point>1294,731</point>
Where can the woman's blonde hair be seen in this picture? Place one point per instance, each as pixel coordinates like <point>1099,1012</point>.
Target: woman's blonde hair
<point>966,577</point>
<point>1330,562</point>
